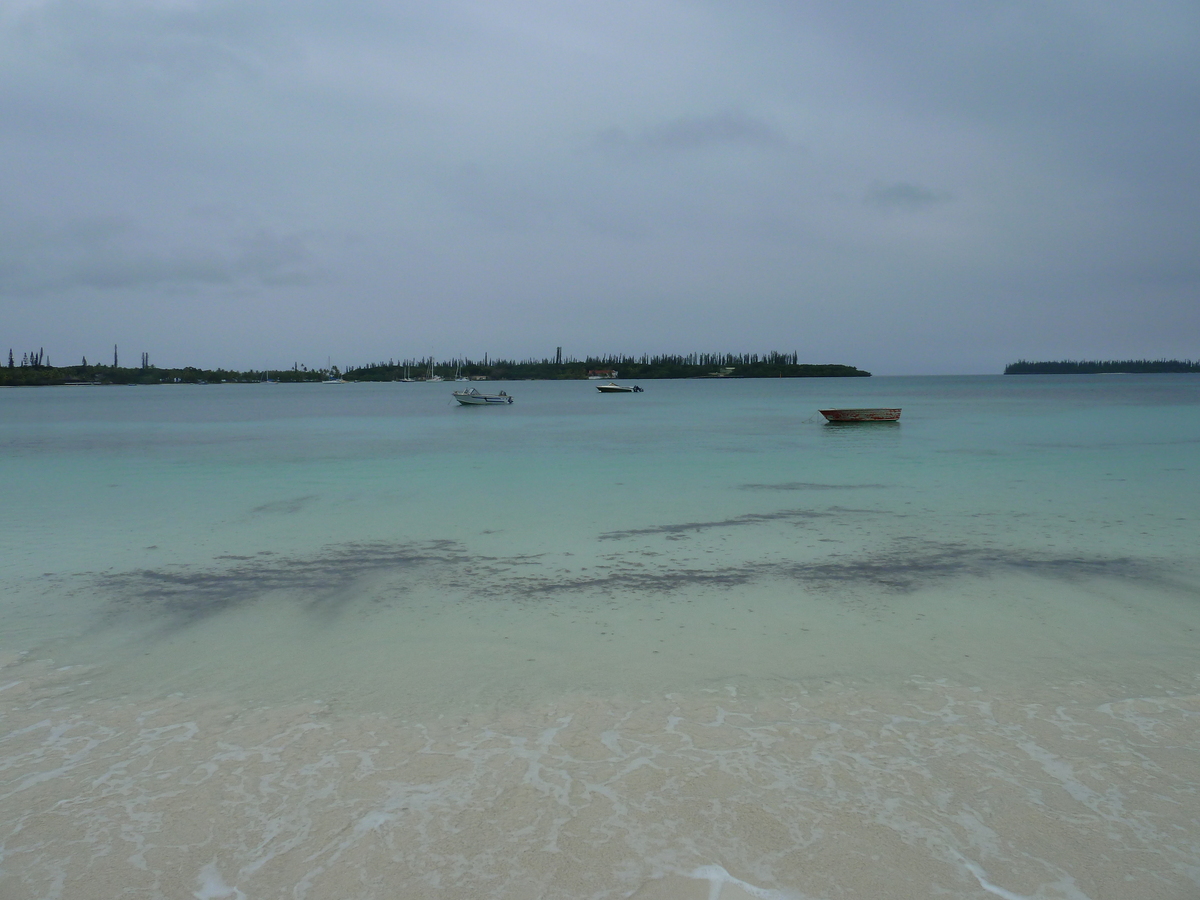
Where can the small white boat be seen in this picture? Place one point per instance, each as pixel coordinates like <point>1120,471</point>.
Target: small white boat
<point>474,398</point>
<point>614,388</point>
<point>861,415</point>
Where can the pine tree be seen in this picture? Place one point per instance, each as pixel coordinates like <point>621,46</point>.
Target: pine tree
<point>11,364</point>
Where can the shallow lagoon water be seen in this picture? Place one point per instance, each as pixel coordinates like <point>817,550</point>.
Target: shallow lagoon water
<point>356,641</point>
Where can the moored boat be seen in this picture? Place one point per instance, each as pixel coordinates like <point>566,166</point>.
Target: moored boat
<point>861,415</point>
<point>474,398</point>
<point>614,388</point>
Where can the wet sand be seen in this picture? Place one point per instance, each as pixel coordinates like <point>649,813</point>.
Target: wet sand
<point>835,792</point>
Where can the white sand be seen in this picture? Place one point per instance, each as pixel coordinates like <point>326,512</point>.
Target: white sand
<point>937,789</point>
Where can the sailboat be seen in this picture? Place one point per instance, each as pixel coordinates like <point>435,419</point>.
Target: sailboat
<point>334,378</point>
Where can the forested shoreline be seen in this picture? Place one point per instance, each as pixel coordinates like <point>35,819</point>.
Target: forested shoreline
<point>34,369</point>
<point>1101,367</point>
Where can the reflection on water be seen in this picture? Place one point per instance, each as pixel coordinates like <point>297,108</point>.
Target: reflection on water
<point>861,434</point>
<point>863,440</point>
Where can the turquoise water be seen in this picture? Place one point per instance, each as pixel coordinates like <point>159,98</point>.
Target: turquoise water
<point>355,640</point>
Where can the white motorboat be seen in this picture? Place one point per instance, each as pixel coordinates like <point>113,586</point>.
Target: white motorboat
<point>613,388</point>
<point>474,398</point>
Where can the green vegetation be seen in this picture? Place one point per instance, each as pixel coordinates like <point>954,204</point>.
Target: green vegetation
<point>35,369</point>
<point>1107,367</point>
<point>696,365</point>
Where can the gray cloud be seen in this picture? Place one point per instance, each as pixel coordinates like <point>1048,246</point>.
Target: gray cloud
<point>907,188</point>
<point>904,196</point>
<point>691,134</point>
<point>109,254</point>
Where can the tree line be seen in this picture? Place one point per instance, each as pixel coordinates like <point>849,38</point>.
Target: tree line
<point>1101,367</point>
<point>35,369</point>
<point>693,365</point>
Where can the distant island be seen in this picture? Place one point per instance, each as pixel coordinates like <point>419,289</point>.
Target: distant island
<point>34,369</point>
<point>1105,367</point>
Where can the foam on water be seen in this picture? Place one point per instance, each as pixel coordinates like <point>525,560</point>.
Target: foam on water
<point>858,792</point>
<point>683,645</point>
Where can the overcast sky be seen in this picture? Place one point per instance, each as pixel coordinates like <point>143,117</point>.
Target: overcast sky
<point>909,187</point>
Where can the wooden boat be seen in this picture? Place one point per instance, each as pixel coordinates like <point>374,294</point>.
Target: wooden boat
<point>861,415</point>
<point>614,388</point>
<point>474,398</point>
